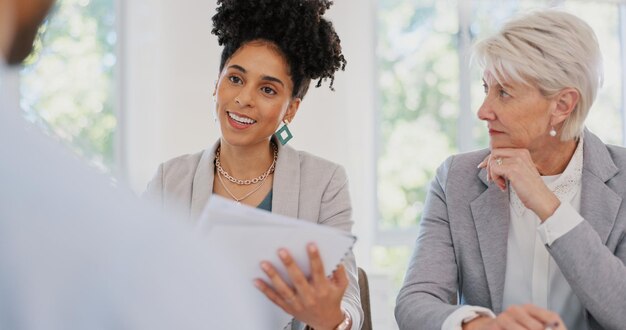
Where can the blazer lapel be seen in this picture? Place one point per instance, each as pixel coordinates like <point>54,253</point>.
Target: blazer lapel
<point>202,186</point>
<point>286,188</point>
<point>491,214</point>
<point>599,204</point>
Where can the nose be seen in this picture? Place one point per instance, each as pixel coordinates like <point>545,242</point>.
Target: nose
<point>245,97</point>
<point>485,112</point>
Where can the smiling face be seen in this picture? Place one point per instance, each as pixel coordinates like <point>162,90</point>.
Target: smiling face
<point>517,115</point>
<point>253,94</point>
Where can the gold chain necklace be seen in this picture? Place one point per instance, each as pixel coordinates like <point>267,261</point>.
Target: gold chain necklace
<point>261,178</point>
<point>238,200</point>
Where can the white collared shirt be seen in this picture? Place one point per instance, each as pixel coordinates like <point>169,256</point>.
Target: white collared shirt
<point>532,275</point>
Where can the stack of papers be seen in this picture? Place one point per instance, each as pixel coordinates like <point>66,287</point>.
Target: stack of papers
<point>239,238</point>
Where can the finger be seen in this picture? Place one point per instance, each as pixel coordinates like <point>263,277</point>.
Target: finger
<point>317,266</point>
<point>340,277</point>
<point>498,175</point>
<point>483,164</point>
<point>518,156</point>
<point>554,326</point>
<point>285,292</point>
<point>507,322</point>
<point>494,169</point>
<point>501,182</point>
<point>300,282</point>
<point>497,172</point>
<point>547,317</point>
<point>496,326</point>
<point>272,295</point>
<point>489,324</point>
<point>523,317</point>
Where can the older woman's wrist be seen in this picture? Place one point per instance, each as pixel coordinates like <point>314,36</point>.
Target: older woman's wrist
<point>547,208</point>
<point>477,323</point>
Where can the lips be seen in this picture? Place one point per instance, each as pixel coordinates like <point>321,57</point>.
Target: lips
<point>239,121</point>
<point>240,118</point>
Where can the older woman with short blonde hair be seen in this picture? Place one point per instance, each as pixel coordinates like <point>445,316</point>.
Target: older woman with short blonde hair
<point>524,52</point>
<point>529,233</point>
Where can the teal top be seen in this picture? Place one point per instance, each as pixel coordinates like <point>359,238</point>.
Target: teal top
<point>266,203</point>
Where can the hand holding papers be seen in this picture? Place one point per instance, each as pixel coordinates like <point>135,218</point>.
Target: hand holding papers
<point>315,299</point>
<point>240,238</point>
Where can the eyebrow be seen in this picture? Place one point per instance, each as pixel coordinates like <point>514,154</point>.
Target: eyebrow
<point>267,78</point>
<point>502,85</point>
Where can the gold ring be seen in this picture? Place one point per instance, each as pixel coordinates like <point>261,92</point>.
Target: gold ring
<point>499,161</point>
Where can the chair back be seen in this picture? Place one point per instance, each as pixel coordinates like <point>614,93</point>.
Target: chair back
<point>365,300</point>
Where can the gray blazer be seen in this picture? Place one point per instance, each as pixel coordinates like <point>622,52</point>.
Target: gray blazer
<point>305,187</point>
<point>462,244</point>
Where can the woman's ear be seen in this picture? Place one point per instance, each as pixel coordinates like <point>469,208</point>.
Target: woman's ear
<point>292,110</point>
<point>566,101</point>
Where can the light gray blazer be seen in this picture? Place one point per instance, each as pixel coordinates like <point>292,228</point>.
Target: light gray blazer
<point>305,187</point>
<point>462,244</point>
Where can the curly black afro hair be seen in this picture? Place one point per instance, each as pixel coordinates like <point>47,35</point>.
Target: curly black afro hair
<point>308,41</point>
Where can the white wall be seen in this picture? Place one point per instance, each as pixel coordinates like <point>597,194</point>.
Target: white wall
<point>170,63</point>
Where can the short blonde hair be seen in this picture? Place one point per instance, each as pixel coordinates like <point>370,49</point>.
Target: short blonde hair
<point>552,50</point>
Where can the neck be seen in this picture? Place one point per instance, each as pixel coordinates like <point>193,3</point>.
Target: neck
<point>552,158</point>
<point>244,162</point>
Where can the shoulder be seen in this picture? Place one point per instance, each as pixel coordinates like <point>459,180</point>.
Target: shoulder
<point>173,182</point>
<point>604,161</point>
<point>178,172</point>
<point>314,166</point>
<point>182,164</point>
<point>313,177</point>
<point>310,161</point>
<point>618,154</point>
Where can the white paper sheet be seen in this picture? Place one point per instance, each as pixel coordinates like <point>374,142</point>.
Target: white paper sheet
<point>240,237</point>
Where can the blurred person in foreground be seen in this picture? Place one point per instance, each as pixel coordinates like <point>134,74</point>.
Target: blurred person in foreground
<point>530,233</point>
<point>75,252</point>
<point>272,51</point>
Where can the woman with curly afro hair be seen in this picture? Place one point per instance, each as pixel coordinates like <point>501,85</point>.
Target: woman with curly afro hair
<point>272,49</point>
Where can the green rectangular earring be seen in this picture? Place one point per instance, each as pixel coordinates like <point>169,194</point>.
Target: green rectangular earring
<point>284,134</point>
